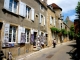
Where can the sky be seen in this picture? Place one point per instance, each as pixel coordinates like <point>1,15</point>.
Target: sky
<point>68,7</point>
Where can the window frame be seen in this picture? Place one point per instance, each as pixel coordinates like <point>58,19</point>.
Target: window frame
<point>27,32</point>
<point>28,12</point>
<point>11,7</point>
<point>42,8</point>
<point>12,34</point>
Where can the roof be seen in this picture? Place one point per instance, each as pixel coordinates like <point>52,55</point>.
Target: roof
<point>55,6</point>
<point>51,8</point>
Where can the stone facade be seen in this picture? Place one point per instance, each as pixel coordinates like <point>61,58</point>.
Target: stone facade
<point>15,20</point>
<point>21,22</point>
<point>51,22</point>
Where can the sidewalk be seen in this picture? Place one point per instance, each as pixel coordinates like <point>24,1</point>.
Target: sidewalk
<point>21,57</point>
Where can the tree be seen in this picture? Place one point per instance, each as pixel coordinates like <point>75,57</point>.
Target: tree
<point>78,10</point>
<point>78,34</point>
<point>71,32</point>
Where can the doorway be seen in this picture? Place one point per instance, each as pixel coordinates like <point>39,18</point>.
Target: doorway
<point>35,36</point>
<point>0,33</point>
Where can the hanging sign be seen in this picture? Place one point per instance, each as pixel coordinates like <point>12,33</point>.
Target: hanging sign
<point>6,35</point>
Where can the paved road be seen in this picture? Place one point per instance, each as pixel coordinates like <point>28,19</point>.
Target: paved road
<point>58,53</point>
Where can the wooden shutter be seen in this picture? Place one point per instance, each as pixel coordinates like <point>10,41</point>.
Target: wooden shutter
<point>6,4</point>
<point>44,20</point>
<point>40,18</point>
<point>54,21</point>
<point>50,20</point>
<point>19,34</point>
<point>22,9</point>
<point>32,14</point>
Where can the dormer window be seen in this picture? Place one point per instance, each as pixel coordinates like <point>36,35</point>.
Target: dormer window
<point>41,7</point>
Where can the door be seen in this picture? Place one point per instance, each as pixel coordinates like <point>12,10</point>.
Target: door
<point>35,34</point>
<point>0,33</point>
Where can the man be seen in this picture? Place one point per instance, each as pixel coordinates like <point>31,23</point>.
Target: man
<point>54,43</point>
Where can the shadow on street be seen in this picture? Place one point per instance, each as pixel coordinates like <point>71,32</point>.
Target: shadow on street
<point>73,52</point>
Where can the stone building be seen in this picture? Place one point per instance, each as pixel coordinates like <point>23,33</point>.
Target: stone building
<point>21,21</point>
<point>51,22</point>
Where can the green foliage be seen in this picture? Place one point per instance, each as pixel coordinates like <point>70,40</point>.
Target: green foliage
<point>71,32</point>
<point>78,9</point>
<point>72,28</point>
<point>53,29</point>
<point>78,15</point>
<point>64,32</point>
<point>78,35</point>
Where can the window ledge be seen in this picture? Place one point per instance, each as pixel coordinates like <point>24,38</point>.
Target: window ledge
<point>11,42</point>
<point>5,10</point>
<point>27,42</point>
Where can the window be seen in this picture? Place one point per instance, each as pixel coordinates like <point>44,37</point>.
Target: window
<point>28,12</point>
<point>23,10</point>
<point>42,19</point>
<point>51,19</point>
<point>11,5</point>
<point>41,7</point>
<point>27,35</point>
<point>12,34</point>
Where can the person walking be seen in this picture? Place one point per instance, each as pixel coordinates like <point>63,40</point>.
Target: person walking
<point>38,44</point>
<point>42,44</point>
<point>54,43</point>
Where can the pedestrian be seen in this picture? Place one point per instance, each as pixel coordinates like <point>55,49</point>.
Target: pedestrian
<point>38,44</point>
<point>54,43</point>
<point>42,44</point>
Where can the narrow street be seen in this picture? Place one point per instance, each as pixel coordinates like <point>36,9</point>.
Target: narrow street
<point>61,52</point>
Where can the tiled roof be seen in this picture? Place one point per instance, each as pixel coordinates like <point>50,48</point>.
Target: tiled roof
<point>56,6</point>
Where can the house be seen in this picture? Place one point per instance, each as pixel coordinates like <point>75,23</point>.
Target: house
<point>58,20</point>
<point>20,24</point>
<point>51,22</point>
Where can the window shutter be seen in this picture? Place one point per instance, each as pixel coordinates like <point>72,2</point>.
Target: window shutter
<point>50,20</point>
<point>44,20</point>
<point>32,31</point>
<point>19,34</point>
<point>22,9</point>
<point>54,21</point>
<point>40,18</point>
<point>32,14</point>
<point>39,32</point>
<point>6,4</point>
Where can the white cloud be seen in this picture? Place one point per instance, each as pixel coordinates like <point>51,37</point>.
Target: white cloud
<point>65,5</point>
<point>72,17</point>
